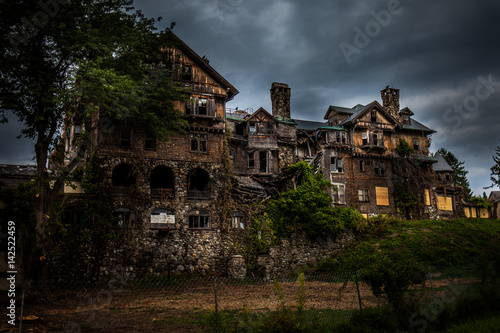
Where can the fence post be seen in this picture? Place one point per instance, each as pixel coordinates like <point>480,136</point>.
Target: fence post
<point>432,288</point>
<point>357,288</point>
<point>216,307</point>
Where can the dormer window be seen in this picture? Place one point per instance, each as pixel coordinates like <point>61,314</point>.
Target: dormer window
<point>406,119</point>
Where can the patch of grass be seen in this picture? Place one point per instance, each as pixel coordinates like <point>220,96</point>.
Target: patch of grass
<point>486,325</point>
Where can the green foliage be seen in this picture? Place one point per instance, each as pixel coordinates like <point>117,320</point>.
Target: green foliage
<point>480,201</point>
<point>459,171</point>
<point>495,169</point>
<point>406,202</point>
<point>404,149</point>
<point>307,208</point>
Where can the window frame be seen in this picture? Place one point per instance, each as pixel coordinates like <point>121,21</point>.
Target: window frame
<point>373,116</point>
<point>364,138</point>
<point>251,160</point>
<point>363,195</point>
<point>199,220</point>
<point>201,141</point>
<point>416,143</point>
<point>336,164</point>
<point>339,195</point>
<point>127,216</point>
<point>236,221</point>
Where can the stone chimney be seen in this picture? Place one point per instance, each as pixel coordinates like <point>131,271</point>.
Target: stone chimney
<point>390,101</point>
<point>280,98</point>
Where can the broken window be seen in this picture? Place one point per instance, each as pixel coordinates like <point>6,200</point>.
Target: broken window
<point>263,163</point>
<point>198,184</point>
<point>123,217</point>
<point>251,160</point>
<point>150,141</point>
<point>382,167</point>
<point>340,137</point>
<point>162,182</point>
<point>237,220</point>
<point>199,219</point>
<point>202,106</point>
<point>374,115</point>
<point>415,144</point>
<point>364,138</point>
<point>199,143</point>
<point>187,73</point>
<point>336,164</point>
<point>126,137</point>
<point>363,195</point>
<point>338,193</point>
<point>382,196</point>
<point>123,176</point>
<point>252,128</point>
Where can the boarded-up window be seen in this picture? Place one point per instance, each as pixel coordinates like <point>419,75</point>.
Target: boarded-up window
<point>467,211</point>
<point>483,213</point>
<point>427,197</point>
<point>444,203</point>
<point>382,194</point>
<point>473,212</point>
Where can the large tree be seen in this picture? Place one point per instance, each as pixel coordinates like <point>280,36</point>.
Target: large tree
<point>64,60</point>
<point>459,171</point>
<point>495,169</point>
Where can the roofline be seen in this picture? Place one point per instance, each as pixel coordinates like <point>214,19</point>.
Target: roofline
<point>202,63</point>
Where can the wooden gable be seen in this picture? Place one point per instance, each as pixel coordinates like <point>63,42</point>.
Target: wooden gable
<point>261,115</point>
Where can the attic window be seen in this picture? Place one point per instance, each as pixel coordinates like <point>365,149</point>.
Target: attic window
<point>406,119</point>
<point>374,115</point>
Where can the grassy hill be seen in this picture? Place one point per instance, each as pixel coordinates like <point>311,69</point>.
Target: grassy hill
<point>458,242</point>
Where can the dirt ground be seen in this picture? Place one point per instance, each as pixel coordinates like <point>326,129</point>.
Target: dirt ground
<point>183,307</point>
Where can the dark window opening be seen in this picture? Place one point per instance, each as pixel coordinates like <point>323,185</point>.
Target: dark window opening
<point>364,137</point>
<point>406,119</point>
<point>123,176</point>
<point>162,182</point>
<point>199,220</point>
<point>189,107</point>
<point>150,141</point>
<point>198,184</point>
<point>251,160</point>
<point>126,137</point>
<point>270,128</point>
<point>382,167</point>
<point>415,143</point>
<point>336,164</point>
<point>252,128</point>
<point>362,166</point>
<point>263,161</point>
<point>202,107</point>
<point>376,167</point>
<point>199,143</point>
<point>374,115</point>
<point>187,73</point>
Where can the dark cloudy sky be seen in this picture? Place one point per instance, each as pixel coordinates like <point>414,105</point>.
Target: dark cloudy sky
<point>444,56</point>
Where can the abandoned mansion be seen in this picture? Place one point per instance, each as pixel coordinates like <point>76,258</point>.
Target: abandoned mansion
<point>186,201</point>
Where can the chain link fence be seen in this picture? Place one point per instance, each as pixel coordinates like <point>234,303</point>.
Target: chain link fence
<point>220,304</point>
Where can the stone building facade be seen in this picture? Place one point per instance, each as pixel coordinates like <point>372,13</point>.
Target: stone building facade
<point>185,206</point>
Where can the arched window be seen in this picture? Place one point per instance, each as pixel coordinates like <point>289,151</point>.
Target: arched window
<point>124,217</point>
<point>199,219</point>
<point>198,184</point>
<point>123,176</point>
<point>162,218</point>
<point>237,220</point>
<point>162,182</point>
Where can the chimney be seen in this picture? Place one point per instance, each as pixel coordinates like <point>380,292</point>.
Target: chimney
<point>390,101</point>
<point>280,98</point>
